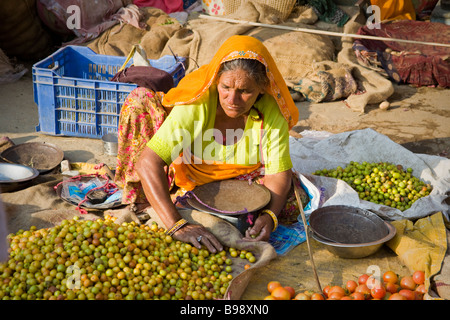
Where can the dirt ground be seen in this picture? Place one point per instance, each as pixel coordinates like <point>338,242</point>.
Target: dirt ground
<point>418,119</point>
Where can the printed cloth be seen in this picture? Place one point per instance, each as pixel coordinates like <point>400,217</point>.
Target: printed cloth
<point>141,115</point>
<point>421,65</point>
<point>213,7</point>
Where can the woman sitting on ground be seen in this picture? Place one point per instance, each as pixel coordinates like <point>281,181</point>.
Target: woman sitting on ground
<point>228,119</point>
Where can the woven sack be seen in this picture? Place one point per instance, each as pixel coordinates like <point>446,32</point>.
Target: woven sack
<point>22,34</point>
<point>280,8</point>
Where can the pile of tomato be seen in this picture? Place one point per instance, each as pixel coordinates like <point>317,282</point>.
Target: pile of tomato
<point>389,287</point>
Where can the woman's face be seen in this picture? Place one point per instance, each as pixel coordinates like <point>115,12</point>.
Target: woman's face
<point>237,92</point>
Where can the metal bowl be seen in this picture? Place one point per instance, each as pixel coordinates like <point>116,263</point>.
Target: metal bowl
<point>359,250</point>
<point>232,200</point>
<point>15,176</point>
<point>41,156</point>
<point>350,232</point>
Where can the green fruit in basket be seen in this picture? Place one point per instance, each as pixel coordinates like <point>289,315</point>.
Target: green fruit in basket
<point>382,183</point>
<point>100,259</point>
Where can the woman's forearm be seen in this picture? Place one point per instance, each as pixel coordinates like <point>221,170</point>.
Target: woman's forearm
<point>150,169</point>
<point>279,185</point>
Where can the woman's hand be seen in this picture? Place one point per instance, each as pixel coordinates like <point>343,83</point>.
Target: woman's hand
<point>150,168</point>
<point>198,236</point>
<point>261,229</point>
<point>278,185</point>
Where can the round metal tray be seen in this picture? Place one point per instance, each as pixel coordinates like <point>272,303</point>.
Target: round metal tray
<point>41,156</point>
<point>15,176</point>
<point>349,225</point>
<point>358,250</point>
<point>232,196</point>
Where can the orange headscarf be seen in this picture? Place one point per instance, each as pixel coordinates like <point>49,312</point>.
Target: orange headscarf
<point>196,83</point>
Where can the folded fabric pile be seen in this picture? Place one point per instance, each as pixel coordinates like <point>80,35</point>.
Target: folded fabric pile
<point>418,64</point>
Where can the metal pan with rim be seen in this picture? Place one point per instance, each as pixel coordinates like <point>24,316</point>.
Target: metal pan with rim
<point>15,176</point>
<point>350,232</point>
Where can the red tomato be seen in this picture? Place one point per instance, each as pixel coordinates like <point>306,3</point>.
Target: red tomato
<point>351,286</point>
<point>419,277</point>
<point>363,278</point>
<point>281,293</point>
<point>335,295</point>
<point>421,289</point>
<point>419,296</point>
<point>378,292</point>
<point>372,282</point>
<point>362,288</point>
<point>397,296</point>
<point>407,282</point>
<point>408,294</point>
<point>337,289</point>
<point>392,287</point>
<point>317,296</point>
<point>357,296</point>
<point>390,277</point>
<point>325,291</point>
<point>301,296</point>
<point>291,291</point>
<point>272,285</point>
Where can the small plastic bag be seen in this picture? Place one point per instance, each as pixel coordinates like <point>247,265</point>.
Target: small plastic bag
<point>315,195</point>
<point>76,191</point>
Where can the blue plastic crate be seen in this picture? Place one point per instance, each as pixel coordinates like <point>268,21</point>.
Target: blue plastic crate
<point>75,97</point>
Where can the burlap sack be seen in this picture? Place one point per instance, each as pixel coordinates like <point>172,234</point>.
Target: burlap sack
<point>119,40</point>
<point>21,32</point>
<point>374,87</point>
<point>37,205</point>
<point>295,53</point>
<point>200,40</point>
<point>303,14</point>
<point>279,8</point>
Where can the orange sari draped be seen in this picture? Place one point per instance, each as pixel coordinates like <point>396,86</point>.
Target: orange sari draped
<point>188,177</point>
<point>194,85</point>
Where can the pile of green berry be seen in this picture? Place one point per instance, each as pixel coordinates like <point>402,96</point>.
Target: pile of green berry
<point>382,183</point>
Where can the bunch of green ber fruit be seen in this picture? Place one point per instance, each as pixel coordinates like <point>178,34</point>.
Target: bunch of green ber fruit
<point>99,260</point>
<point>382,183</point>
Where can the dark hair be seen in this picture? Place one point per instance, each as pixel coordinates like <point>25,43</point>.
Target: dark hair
<point>255,69</point>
